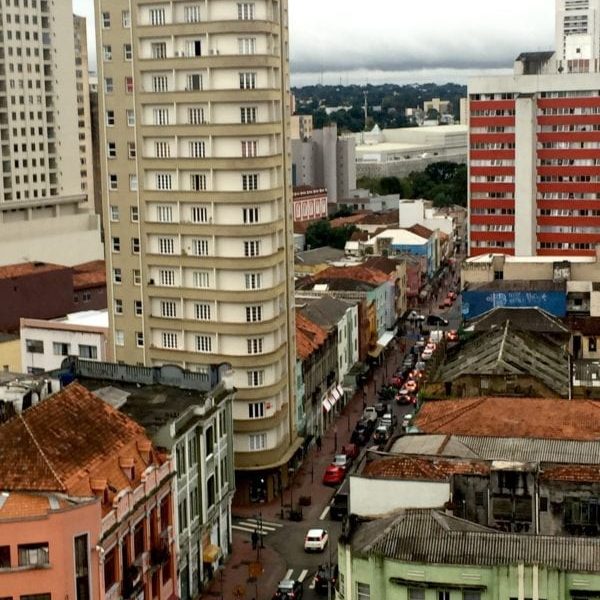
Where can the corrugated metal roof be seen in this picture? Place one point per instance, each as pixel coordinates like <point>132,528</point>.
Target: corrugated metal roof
<point>432,537</point>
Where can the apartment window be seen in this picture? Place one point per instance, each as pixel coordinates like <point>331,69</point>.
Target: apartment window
<point>159,50</point>
<point>130,116</point>
<point>161,116</point>
<point>250,215</point>
<point>198,182</point>
<point>164,214</point>
<point>199,214</point>
<point>255,345</point>
<point>256,410</point>
<point>135,245</point>
<point>250,181</point>
<point>253,281</point>
<point>248,114</point>
<point>157,16</point>
<point>134,214</point>
<point>253,313</point>
<point>31,555</point>
<point>194,82</point>
<point>166,277</point>
<point>138,308</point>
<point>160,83</point>
<point>111,149</point>
<point>115,243</point>
<point>162,149</point>
<point>127,52</point>
<point>114,213</point>
<point>168,309</point>
<point>363,591</point>
<point>255,378</point>
<point>416,594</point>
<point>113,181</point>
<point>249,148</point>
<point>118,306</point>
<point>61,348</point>
<point>245,11</point>
<point>193,48</point>
<point>443,595</point>
<point>108,85</point>
<point>137,277</point>
<point>191,14</point>
<point>247,81</point>
<point>139,339</point>
<point>87,351</point>
<point>133,183</point>
<point>117,275</point>
<point>4,557</point>
<point>195,116</point>
<point>257,441</point>
<point>119,337</point>
<point>129,85</point>
<point>164,181</point>
<point>252,248</point>
<point>592,344</point>
<point>126,19</point>
<point>210,491</point>
<point>471,595</point>
<point>34,346</point>
<point>105,20</point>
<point>247,45</point>
<point>202,312</point>
<point>107,53</point>
<point>110,118</point>
<point>182,515</point>
<point>197,149</point>
<point>166,245</point>
<point>201,279</point>
<point>194,508</point>
<point>200,247</point>
<point>169,340</point>
<point>203,343</point>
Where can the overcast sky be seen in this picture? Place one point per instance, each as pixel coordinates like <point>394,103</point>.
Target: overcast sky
<point>398,41</point>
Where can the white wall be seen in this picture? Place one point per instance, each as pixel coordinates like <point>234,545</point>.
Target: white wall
<point>372,497</point>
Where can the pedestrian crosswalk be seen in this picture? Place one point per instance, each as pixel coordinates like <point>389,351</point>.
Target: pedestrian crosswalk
<point>301,577</point>
<point>257,524</point>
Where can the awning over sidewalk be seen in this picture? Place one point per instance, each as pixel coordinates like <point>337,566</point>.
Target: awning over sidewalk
<point>375,353</point>
<point>385,339</point>
<point>327,405</point>
<point>335,394</point>
<point>340,390</point>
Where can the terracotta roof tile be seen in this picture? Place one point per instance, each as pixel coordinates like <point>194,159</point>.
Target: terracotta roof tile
<point>421,231</point>
<point>29,268</point>
<point>417,468</point>
<point>359,273</point>
<point>309,336</point>
<point>579,473</point>
<point>19,505</point>
<point>90,274</point>
<point>512,417</point>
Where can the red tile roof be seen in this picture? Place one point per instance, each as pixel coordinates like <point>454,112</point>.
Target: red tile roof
<point>578,473</point>
<point>512,417</point>
<point>349,220</point>
<point>22,505</point>
<point>416,468</point>
<point>89,275</point>
<point>29,268</point>
<point>309,336</point>
<point>421,231</point>
<point>358,273</point>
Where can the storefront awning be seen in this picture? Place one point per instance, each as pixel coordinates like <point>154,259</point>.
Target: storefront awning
<point>210,553</point>
<point>385,339</point>
<point>336,394</point>
<point>340,390</point>
<point>375,353</point>
<point>327,405</point>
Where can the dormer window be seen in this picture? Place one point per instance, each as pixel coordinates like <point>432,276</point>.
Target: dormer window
<point>128,467</point>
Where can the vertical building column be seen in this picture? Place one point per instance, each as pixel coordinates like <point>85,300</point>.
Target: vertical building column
<point>525,176</point>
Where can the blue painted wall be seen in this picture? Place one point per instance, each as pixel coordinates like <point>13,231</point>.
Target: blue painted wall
<point>477,302</point>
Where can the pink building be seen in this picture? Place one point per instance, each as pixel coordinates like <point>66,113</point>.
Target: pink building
<point>86,508</point>
<point>310,203</point>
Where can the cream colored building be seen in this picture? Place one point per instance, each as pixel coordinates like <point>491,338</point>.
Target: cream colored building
<point>196,174</point>
<point>44,212</point>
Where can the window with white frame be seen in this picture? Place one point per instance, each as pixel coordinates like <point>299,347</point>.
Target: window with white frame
<point>162,149</point>
<point>107,52</point>
<point>253,313</point>
<point>199,214</point>
<point>134,214</point>
<point>193,48</point>
<point>198,182</point>
<point>201,279</point>
<point>252,248</point>
<point>127,52</point>
<point>158,50</point>
<point>118,306</point>
<point>119,337</point>
<point>117,275</point>
<point>113,181</point>
<point>255,345</point>
<point>110,118</point>
<point>108,85</point>
<point>247,81</point>
<point>191,13</point>
<point>164,181</point>
<point>157,16</point>
<point>135,245</point>
<point>166,277</point>
<point>194,82</point>
<point>245,11</point>
<point>164,213</point>
<point>126,19</point>
<point>257,441</point>
<point>166,245</point>
<point>250,215</point>
<point>168,309</point>
<point>169,339</point>
<point>129,85</point>
<point>248,114</point>
<point>249,148</point>
<point>114,213</point>
<point>105,20</point>
<point>200,247</point>
<point>137,277</point>
<point>197,149</point>
<point>115,243</point>
<point>253,281</point>
<point>138,308</point>
<point>256,410</point>
<point>133,183</point>
<point>247,45</point>
<point>131,153</point>
<point>202,311</point>
<point>195,115</point>
<point>161,116</point>
<point>203,343</point>
<point>139,339</point>
<point>111,149</point>
<point>130,117</point>
<point>249,181</point>
<point>363,591</point>
<point>160,83</point>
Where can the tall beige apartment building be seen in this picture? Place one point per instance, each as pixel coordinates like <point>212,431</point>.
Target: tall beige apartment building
<point>196,169</point>
<point>44,212</point>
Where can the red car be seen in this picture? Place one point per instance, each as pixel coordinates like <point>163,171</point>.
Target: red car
<point>452,335</point>
<point>333,475</point>
<point>350,450</point>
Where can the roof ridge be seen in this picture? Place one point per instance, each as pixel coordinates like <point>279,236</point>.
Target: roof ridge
<point>39,448</point>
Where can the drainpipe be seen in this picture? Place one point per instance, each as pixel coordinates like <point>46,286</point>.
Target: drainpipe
<point>521,578</point>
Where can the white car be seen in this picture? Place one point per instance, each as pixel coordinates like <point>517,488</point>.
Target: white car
<point>316,540</point>
<point>427,354</point>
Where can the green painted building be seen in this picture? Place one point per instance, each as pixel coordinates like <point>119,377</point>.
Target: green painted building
<point>429,555</point>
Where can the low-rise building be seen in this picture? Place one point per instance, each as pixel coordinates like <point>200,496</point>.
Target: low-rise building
<point>315,260</point>
<point>310,204</point>
<point>422,212</point>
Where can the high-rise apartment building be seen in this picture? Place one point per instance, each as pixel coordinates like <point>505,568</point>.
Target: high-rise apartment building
<point>196,170</point>
<point>44,211</point>
<point>578,33</point>
<point>535,152</point>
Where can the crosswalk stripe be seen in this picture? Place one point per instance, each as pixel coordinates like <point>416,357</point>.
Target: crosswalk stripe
<point>257,521</point>
<point>239,528</point>
<point>313,583</point>
<point>303,575</point>
<point>289,574</point>
<point>254,524</point>
<point>324,514</point>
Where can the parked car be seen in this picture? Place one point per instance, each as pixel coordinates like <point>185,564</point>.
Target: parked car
<point>339,504</point>
<point>389,420</point>
<point>420,366</point>
<point>361,434</point>
<point>436,320</point>
<point>420,343</point>
<point>452,335</point>
<point>381,408</point>
<point>326,575</point>
<point>289,589</point>
<point>334,475</point>
<point>407,421</point>
<point>381,435</point>
<point>316,540</point>
<point>403,397</point>
<point>415,316</point>
<point>351,450</point>
<point>341,460</point>
<point>427,354</point>
<point>370,414</point>
<point>411,385</point>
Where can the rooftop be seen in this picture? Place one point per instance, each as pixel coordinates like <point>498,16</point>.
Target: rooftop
<point>325,311</point>
<point>520,285</point>
<point>309,336</point>
<point>28,268</point>
<point>356,272</point>
<point>589,326</point>
<point>420,230</point>
<point>89,275</point>
<point>318,256</point>
<point>87,318</point>
<point>526,319</point>
<point>400,237</point>
<point>488,258</point>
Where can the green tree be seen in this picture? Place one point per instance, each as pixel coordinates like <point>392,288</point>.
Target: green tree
<point>318,234</point>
